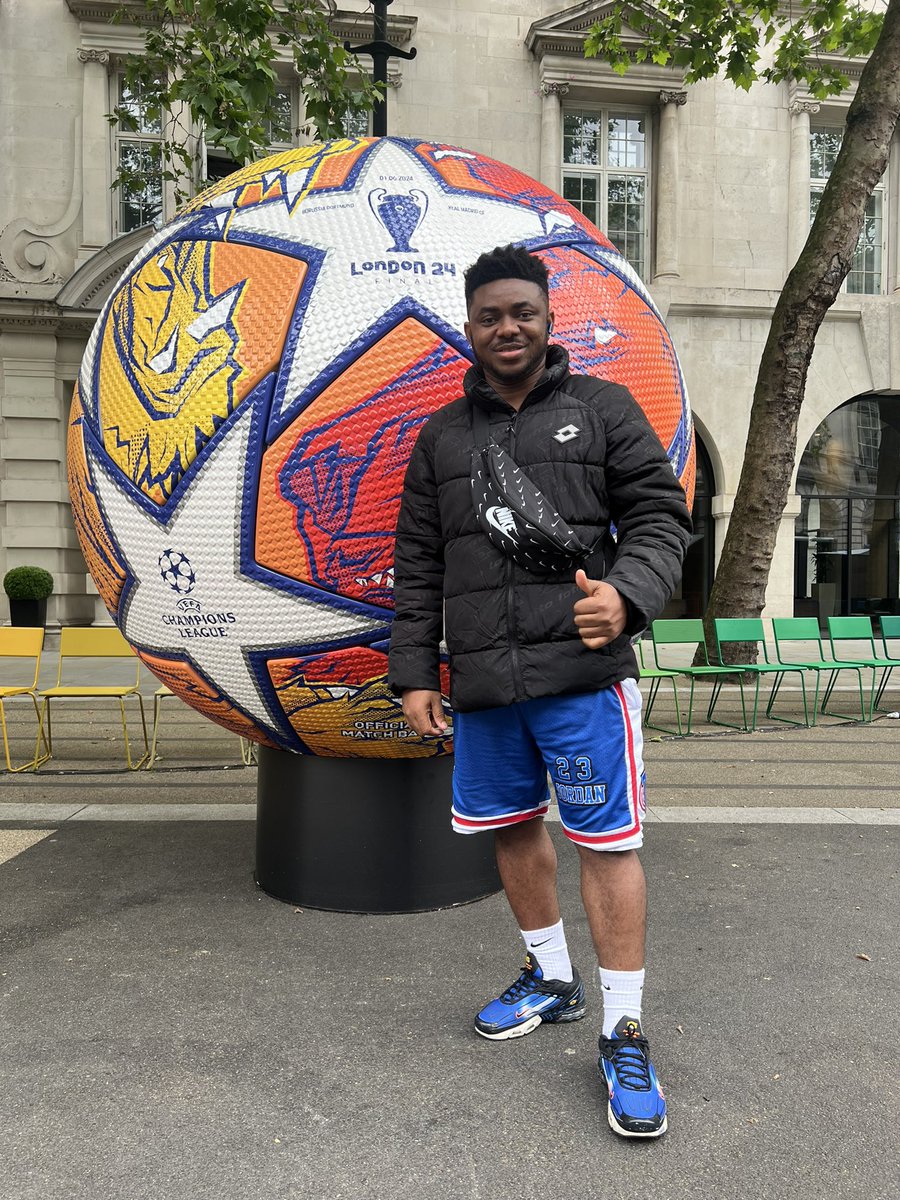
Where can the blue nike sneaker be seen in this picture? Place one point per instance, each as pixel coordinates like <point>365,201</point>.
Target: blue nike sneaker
<point>637,1106</point>
<point>529,1001</point>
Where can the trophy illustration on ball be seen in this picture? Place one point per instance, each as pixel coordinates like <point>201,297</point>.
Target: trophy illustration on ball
<point>401,215</point>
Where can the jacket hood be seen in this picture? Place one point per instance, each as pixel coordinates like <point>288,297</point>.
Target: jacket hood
<point>481,393</point>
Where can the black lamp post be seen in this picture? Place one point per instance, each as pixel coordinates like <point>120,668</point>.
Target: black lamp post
<point>381,50</point>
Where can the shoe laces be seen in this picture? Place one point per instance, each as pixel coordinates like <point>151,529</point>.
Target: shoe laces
<point>525,984</point>
<point>629,1056</point>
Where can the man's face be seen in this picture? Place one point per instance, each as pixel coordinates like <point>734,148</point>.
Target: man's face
<point>508,329</point>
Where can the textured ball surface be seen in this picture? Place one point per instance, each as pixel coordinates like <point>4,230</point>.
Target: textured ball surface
<point>251,394</point>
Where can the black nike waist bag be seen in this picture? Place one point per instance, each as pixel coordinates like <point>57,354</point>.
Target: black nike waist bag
<point>512,511</point>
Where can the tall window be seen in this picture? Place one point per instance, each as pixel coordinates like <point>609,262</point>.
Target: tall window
<point>279,137</point>
<point>356,125</point>
<point>137,153</point>
<point>866,272</point>
<point>606,175</point>
<point>281,129</point>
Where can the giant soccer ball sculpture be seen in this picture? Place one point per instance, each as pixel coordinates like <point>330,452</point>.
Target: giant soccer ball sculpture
<point>251,394</point>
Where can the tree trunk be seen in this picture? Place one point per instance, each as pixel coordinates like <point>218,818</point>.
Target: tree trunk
<point>739,589</point>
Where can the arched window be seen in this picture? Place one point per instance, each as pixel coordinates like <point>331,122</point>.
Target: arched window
<point>690,598</point>
<point>846,537</point>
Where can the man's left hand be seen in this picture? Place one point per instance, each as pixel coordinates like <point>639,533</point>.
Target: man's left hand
<point>601,615</point>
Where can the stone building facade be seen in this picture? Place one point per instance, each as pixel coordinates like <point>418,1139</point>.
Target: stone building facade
<point>707,189</point>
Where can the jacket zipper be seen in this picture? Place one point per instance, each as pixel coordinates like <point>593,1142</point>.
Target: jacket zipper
<point>510,593</point>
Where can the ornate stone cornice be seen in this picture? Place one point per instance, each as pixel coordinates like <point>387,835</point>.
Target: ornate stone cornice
<point>23,316</point>
<point>804,106</point>
<point>557,42</point>
<point>95,56</point>
<point>355,26</point>
<point>565,32</point>
<point>30,316</point>
<point>103,11</point>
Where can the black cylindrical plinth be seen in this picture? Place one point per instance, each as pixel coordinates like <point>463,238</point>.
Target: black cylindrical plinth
<point>365,835</point>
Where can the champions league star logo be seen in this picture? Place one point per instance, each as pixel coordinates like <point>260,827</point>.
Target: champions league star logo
<point>400,215</point>
<point>177,572</point>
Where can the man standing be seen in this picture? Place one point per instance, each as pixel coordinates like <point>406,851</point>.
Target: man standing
<point>541,666</point>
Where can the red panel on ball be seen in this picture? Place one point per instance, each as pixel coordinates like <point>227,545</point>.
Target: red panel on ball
<point>330,485</point>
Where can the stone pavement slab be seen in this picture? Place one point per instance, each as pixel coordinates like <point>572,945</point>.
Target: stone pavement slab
<point>166,1030</point>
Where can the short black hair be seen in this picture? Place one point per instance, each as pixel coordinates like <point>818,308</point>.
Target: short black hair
<point>506,262</point>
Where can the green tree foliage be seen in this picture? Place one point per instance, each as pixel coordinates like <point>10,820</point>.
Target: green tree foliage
<point>745,42</point>
<point>211,64</point>
<point>705,38</point>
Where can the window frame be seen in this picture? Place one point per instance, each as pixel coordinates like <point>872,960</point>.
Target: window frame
<point>123,137</point>
<point>604,172</point>
<point>882,190</point>
<point>292,92</point>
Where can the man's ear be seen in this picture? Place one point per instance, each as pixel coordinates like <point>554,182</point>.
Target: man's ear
<point>467,330</point>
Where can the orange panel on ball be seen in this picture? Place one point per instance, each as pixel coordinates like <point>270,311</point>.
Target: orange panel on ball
<point>330,485</point>
<point>688,477</point>
<point>339,704</point>
<point>104,564</point>
<point>611,332</point>
<point>193,689</point>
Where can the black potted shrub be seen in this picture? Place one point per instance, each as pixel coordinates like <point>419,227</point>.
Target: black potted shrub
<point>28,589</point>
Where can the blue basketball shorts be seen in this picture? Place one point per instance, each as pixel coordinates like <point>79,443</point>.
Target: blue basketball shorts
<point>591,746</point>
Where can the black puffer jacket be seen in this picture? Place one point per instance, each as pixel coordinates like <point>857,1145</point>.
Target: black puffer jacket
<point>511,633</point>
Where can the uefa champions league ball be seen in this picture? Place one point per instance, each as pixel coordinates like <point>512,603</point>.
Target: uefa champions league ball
<point>250,397</point>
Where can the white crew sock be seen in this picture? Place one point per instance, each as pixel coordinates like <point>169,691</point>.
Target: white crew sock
<point>549,947</point>
<point>621,996</point>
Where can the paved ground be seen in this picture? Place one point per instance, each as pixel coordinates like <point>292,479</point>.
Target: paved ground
<point>167,1030</point>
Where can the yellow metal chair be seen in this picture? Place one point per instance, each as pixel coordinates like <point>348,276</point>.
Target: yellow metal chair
<point>248,756</point>
<point>95,643</point>
<point>159,695</point>
<point>22,644</point>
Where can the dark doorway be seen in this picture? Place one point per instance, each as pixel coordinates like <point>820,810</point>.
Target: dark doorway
<point>689,600</point>
<point>847,536</point>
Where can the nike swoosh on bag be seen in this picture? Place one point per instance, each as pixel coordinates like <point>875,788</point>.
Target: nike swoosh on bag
<point>502,519</point>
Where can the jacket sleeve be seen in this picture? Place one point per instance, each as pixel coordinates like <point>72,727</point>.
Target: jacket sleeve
<point>648,508</point>
<point>414,657</point>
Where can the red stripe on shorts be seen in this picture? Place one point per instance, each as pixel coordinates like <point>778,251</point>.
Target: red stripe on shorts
<point>605,838</point>
<point>497,822</point>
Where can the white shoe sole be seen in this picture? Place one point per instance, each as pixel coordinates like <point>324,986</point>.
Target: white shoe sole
<point>516,1031</point>
<point>617,1128</point>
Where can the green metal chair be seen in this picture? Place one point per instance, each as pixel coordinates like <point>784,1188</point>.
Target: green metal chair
<point>890,636</point>
<point>804,631</point>
<point>730,631</point>
<point>890,639</point>
<point>848,633</point>
<point>689,634</point>
<point>656,675</point>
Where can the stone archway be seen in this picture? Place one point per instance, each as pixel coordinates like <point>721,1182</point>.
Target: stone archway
<point>85,293</point>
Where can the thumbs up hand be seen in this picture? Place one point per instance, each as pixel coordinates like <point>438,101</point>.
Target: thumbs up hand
<point>601,616</point>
